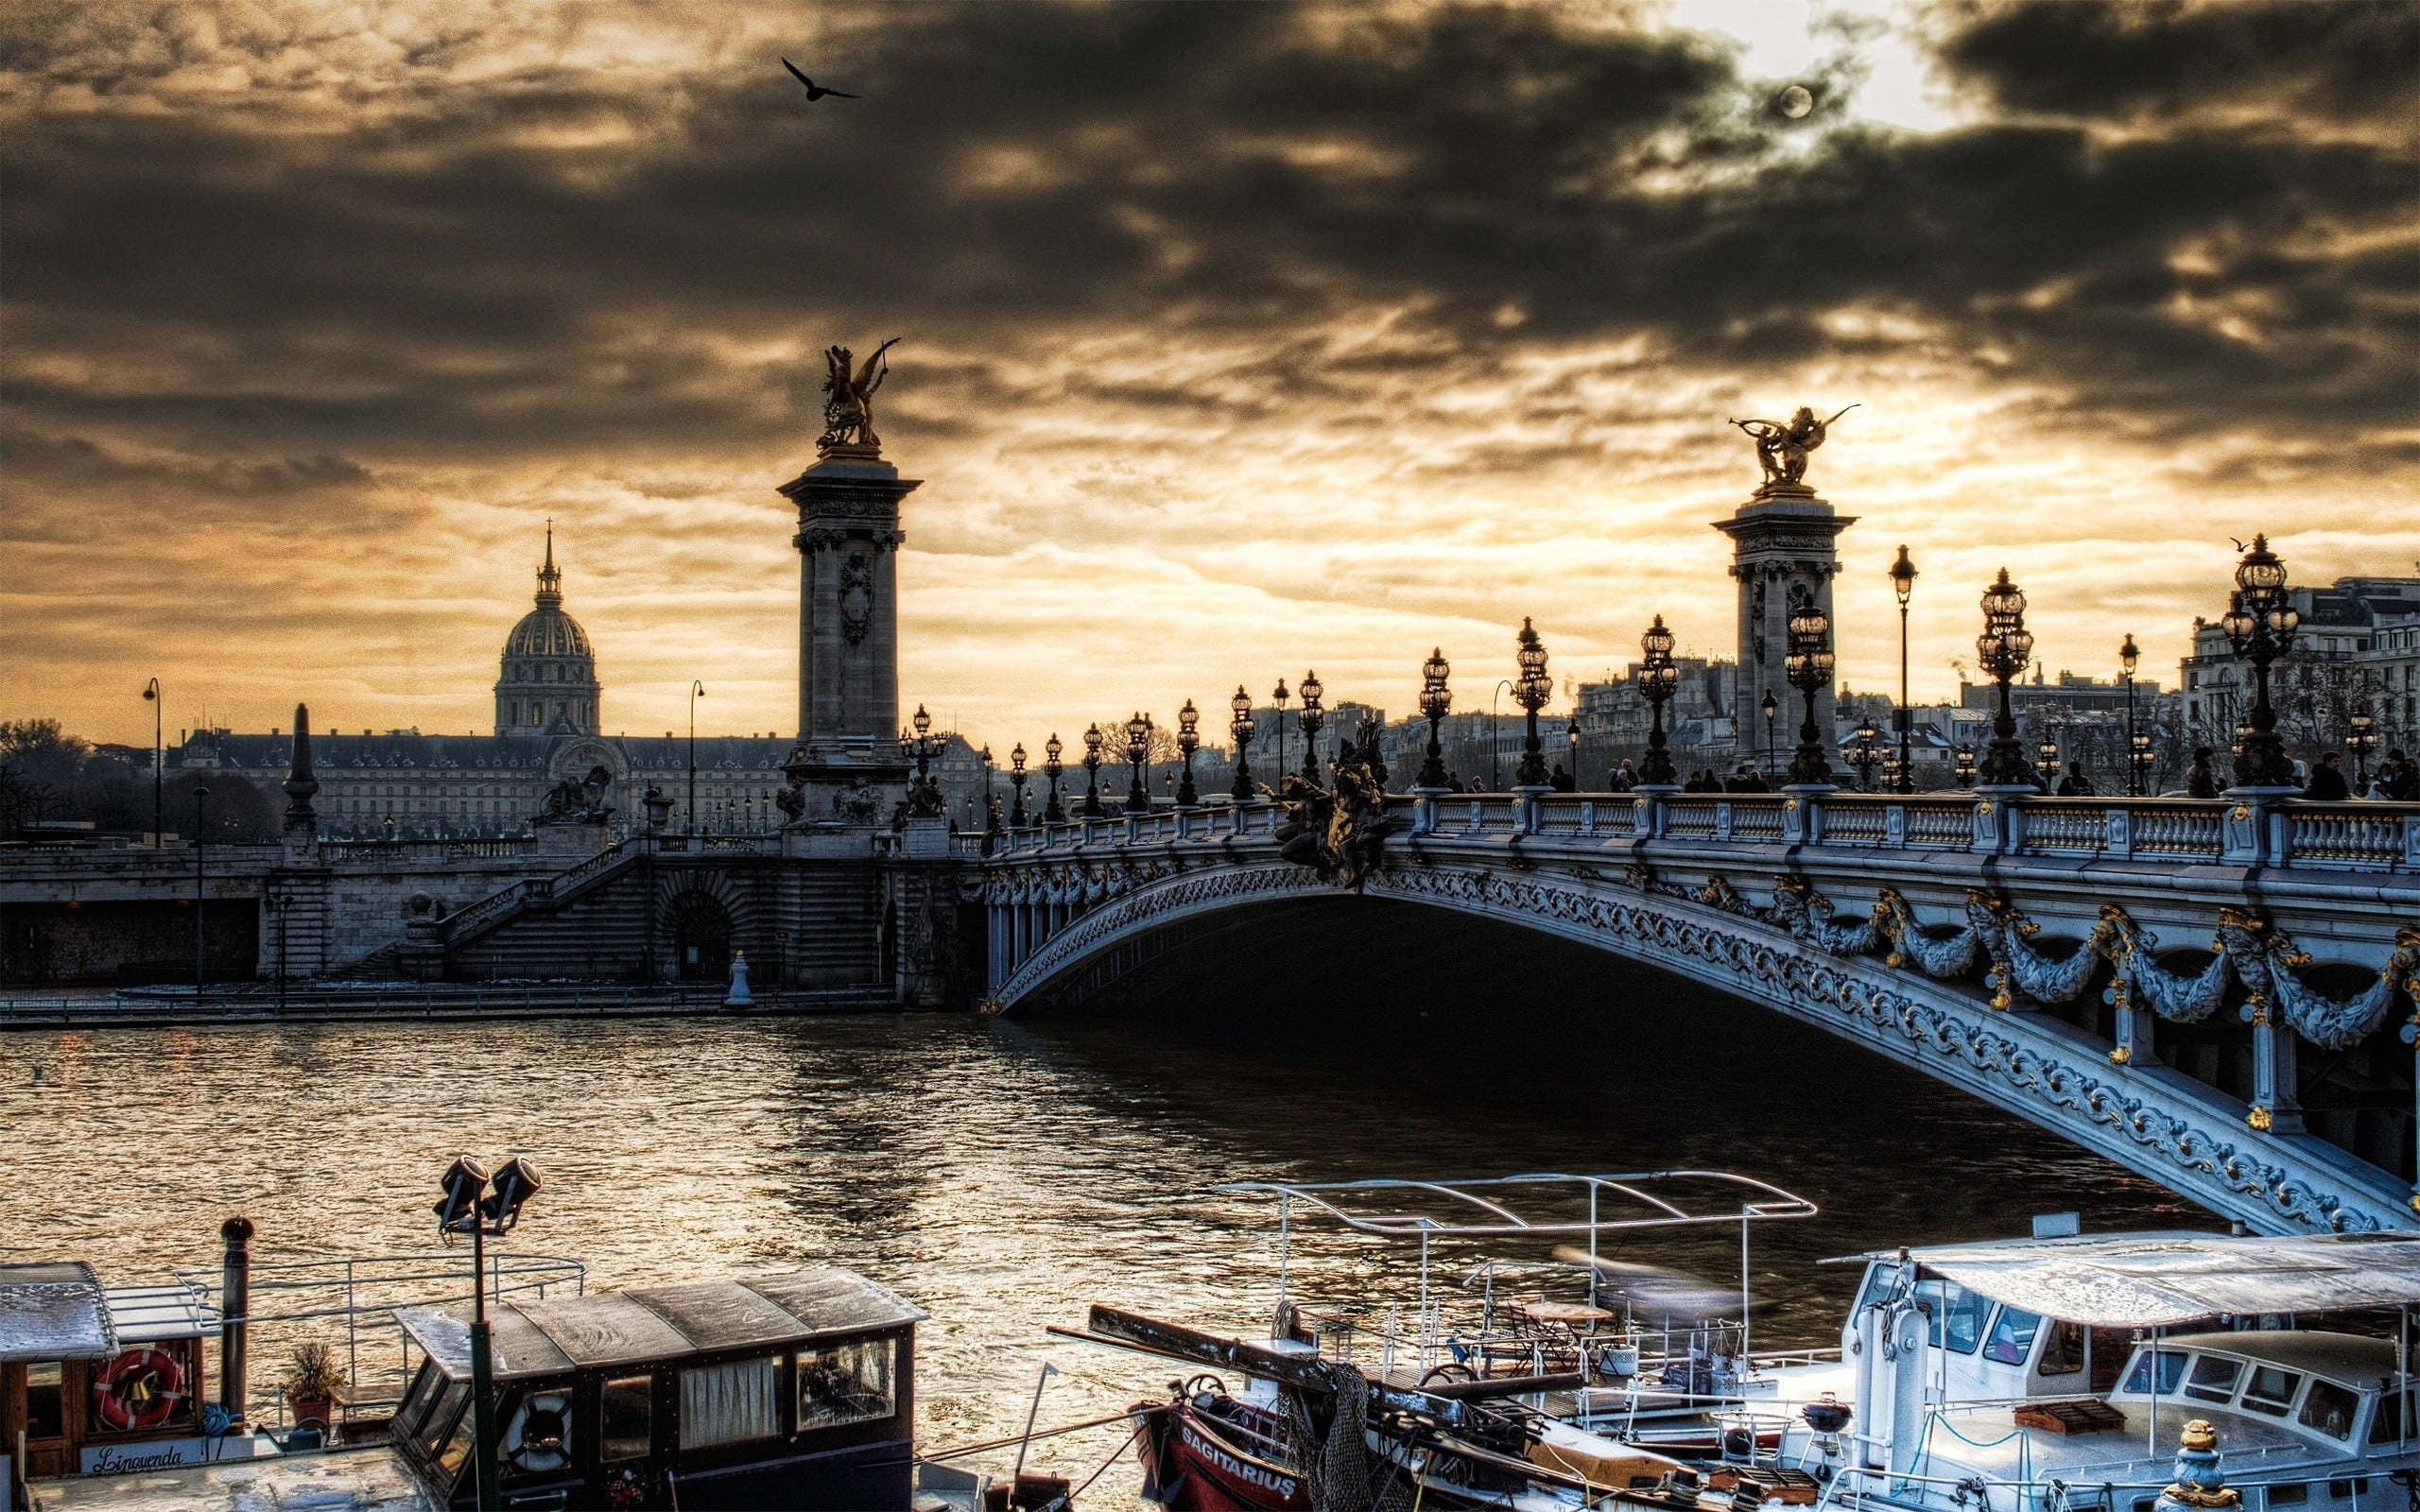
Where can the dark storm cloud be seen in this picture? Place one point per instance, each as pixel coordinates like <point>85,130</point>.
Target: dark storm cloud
<point>548,260</point>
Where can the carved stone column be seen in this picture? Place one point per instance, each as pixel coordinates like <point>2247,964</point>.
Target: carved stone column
<point>846,768</point>
<point>1784,552</point>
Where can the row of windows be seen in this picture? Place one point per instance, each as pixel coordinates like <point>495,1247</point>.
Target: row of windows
<point>538,672</point>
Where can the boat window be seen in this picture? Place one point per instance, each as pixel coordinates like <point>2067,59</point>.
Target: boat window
<point>730,1403</point>
<point>626,1413</point>
<point>1957,1315</point>
<point>2387,1426</point>
<point>417,1400</point>
<point>2012,1334</point>
<point>2293,1495</point>
<point>1880,1278</point>
<point>440,1421</point>
<point>2271,1390</point>
<point>458,1449</point>
<point>2330,1408</point>
<point>846,1383</point>
<point>2171,1370</point>
<point>46,1401</point>
<point>2063,1354</point>
<point>2213,1378</point>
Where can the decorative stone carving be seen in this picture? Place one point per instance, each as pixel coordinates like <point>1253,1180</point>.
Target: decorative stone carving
<point>856,597</point>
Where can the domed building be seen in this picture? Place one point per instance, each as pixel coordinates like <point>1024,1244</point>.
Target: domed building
<point>548,682</point>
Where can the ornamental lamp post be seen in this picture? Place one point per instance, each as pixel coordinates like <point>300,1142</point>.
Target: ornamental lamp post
<point>1531,693</point>
<point>200,833</point>
<point>1241,727</point>
<point>2128,655</point>
<point>1188,740</point>
<point>1018,776</point>
<point>482,1208</point>
<point>1138,751</point>
<point>690,816</point>
<point>1571,738</point>
<point>1866,753</point>
<point>1051,767</point>
<point>2261,625</point>
<point>2005,649</point>
<point>2138,756</point>
<point>1092,773</point>
<point>1281,696</point>
<point>1808,666</point>
<point>2046,758</point>
<point>1965,765</point>
<point>1770,708</point>
<point>1657,678</point>
<point>2362,739</point>
<point>1903,583</point>
<point>1435,700</point>
<point>984,756</point>
<point>158,760</point>
<point>1314,716</point>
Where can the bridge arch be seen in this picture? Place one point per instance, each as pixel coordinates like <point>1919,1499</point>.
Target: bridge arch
<point>2163,1125</point>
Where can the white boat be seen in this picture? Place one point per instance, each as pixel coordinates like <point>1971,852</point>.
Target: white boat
<point>2054,1374</point>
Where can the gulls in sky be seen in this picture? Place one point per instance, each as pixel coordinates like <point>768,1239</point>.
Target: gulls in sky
<point>813,89</point>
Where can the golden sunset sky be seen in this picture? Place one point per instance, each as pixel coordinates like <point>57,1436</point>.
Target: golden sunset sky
<point>1238,338</point>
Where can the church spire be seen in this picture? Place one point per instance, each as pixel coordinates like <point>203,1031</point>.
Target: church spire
<point>550,579</point>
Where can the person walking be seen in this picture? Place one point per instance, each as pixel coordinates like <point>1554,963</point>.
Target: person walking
<point>2326,783</point>
<point>2075,784</point>
<point>2201,778</point>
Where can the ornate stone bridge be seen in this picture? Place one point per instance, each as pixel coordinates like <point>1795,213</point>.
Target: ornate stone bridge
<point>2215,994</point>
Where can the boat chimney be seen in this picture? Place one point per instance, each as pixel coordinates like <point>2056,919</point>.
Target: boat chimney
<point>234,1306</point>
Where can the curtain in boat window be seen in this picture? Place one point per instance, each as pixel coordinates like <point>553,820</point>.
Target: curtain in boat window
<point>729,1403</point>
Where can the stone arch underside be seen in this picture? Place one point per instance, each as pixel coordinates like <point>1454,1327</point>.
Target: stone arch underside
<point>2151,1120</point>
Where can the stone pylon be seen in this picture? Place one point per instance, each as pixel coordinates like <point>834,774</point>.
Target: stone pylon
<point>1784,554</point>
<point>302,820</point>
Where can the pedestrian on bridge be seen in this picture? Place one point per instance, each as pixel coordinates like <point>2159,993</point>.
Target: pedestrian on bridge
<point>2326,783</point>
<point>2201,778</point>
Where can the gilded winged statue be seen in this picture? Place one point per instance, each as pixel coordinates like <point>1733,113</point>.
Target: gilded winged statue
<point>1782,447</point>
<point>848,405</point>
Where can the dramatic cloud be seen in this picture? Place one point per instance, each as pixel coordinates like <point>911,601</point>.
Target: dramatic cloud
<point>1239,337</point>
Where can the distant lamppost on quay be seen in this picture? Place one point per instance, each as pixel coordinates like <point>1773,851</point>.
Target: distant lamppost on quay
<point>2362,739</point>
<point>159,761</point>
<point>658,808</point>
<point>2128,655</point>
<point>2005,648</point>
<point>1051,767</point>
<point>1531,693</point>
<point>1240,728</point>
<point>690,816</point>
<point>1965,765</point>
<point>1093,739</point>
<point>1769,707</point>
<point>1658,680</point>
<point>1495,735</point>
<point>1138,752</point>
<point>1903,585</point>
<point>2260,627</point>
<point>1017,778</point>
<point>474,1205</point>
<point>1281,695</point>
<point>200,835</point>
<point>1808,666</point>
<point>1435,700</point>
<point>1188,740</point>
<point>1866,753</point>
<point>1314,716</point>
<point>2046,758</point>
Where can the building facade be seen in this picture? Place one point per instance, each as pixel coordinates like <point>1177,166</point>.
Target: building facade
<point>2358,648</point>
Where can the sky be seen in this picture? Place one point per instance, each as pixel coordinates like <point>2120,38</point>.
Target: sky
<point>1236,339</point>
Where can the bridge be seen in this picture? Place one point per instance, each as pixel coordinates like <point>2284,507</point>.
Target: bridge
<point>2220,996</point>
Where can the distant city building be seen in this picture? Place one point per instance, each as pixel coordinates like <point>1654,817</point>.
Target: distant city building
<point>2358,644</point>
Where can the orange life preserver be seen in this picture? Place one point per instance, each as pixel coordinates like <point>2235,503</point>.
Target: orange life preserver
<point>139,1389</point>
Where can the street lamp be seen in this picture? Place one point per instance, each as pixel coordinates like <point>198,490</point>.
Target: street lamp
<point>2362,739</point>
<point>1808,666</point>
<point>2128,655</point>
<point>1281,696</point>
<point>1435,700</point>
<point>1138,751</point>
<point>1657,678</point>
<point>984,756</point>
<point>158,760</point>
<point>689,819</point>
<point>1903,583</point>
<point>1188,740</point>
<point>1495,735</point>
<point>2139,749</point>
<point>1051,767</point>
<point>1241,727</point>
<point>658,807</point>
<point>1531,693</point>
<point>2046,758</point>
<point>2260,625</point>
<point>2005,649</point>
<point>1314,716</point>
<point>1866,753</point>
<point>1017,778</point>
<point>474,1205</point>
<point>1965,765</point>
<point>200,831</point>
<point>1769,707</point>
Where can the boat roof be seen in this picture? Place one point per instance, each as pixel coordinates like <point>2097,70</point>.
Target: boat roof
<point>146,1314</point>
<point>2144,1280</point>
<point>2346,1356</point>
<point>658,1322</point>
<point>54,1309</point>
<point>1478,1207</point>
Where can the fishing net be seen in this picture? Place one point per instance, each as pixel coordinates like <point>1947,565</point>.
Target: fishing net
<point>1336,1468</point>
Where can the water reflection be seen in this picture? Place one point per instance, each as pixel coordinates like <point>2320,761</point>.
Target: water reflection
<point>1004,1176</point>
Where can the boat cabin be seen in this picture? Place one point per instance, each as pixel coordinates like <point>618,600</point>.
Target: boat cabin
<point>100,1380</point>
<point>793,1390</point>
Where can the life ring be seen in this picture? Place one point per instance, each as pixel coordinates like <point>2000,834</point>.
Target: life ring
<point>140,1389</point>
<point>539,1438</point>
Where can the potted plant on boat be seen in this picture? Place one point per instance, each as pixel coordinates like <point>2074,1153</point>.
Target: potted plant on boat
<point>314,1382</point>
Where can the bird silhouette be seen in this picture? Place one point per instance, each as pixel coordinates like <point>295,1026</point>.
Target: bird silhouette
<point>813,89</point>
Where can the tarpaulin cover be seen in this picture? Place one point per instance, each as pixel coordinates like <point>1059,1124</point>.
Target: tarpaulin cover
<point>2144,1280</point>
<point>54,1312</point>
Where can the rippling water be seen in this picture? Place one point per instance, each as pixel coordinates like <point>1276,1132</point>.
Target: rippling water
<point>1004,1176</point>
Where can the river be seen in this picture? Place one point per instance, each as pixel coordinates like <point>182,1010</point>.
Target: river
<point>1005,1174</point>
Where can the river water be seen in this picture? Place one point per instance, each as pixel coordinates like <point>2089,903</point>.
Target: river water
<point>1005,1174</point>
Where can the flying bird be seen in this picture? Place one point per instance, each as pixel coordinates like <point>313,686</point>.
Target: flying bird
<point>813,89</point>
